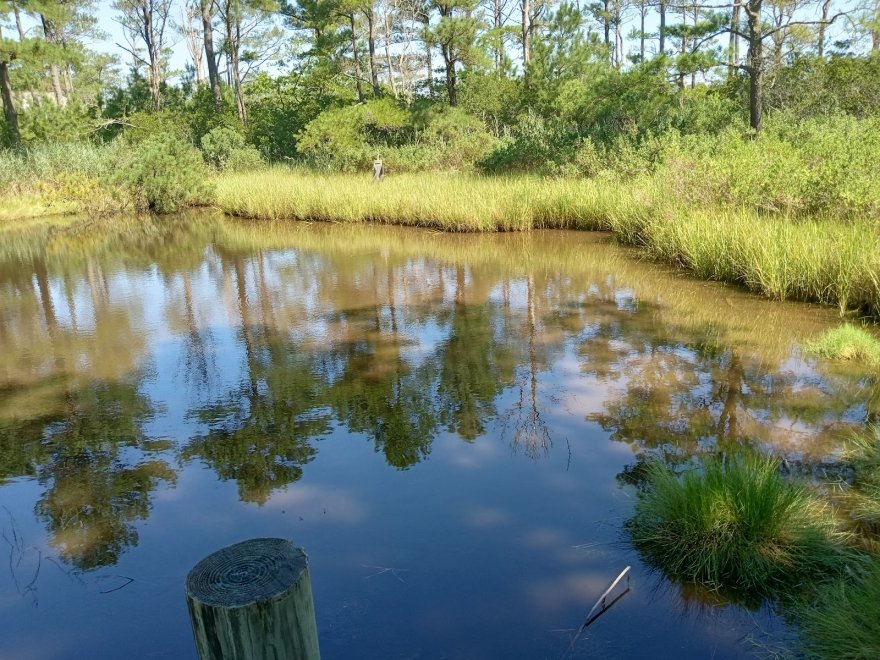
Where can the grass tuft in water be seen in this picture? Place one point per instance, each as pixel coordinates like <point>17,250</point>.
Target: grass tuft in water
<point>861,498</point>
<point>847,342</point>
<point>737,526</point>
<point>844,620</point>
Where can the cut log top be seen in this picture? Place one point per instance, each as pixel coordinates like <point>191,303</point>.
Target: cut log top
<point>248,572</point>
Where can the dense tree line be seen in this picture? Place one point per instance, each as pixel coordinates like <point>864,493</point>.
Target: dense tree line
<point>325,79</point>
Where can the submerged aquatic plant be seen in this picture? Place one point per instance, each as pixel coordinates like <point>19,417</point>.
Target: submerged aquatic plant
<point>847,342</point>
<point>736,526</point>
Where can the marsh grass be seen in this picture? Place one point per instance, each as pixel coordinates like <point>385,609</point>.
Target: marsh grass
<point>820,260</point>
<point>16,208</point>
<point>738,527</point>
<point>847,342</point>
<point>843,622</point>
<point>861,498</point>
<point>31,170</point>
<point>843,619</point>
<point>443,201</point>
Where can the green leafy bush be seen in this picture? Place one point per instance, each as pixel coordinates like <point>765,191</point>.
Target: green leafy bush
<point>457,139</point>
<point>343,137</point>
<point>349,138</point>
<point>244,159</point>
<point>219,144</point>
<point>535,145</point>
<point>816,167</point>
<point>141,126</point>
<point>52,123</point>
<point>163,174</point>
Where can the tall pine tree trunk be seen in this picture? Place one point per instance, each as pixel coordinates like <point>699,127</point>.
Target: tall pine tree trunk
<point>233,46</point>
<point>387,43</point>
<point>357,60</point>
<point>826,7</point>
<point>9,113</point>
<point>451,80</point>
<point>662,46</point>
<point>18,24</point>
<point>497,24</point>
<point>210,56</point>
<point>50,35</point>
<point>642,31</point>
<point>606,23</point>
<point>755,66</point>
<point>735,20</point>
<point>371,46</point>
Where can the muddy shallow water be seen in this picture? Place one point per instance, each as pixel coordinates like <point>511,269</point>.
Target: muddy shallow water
<point>450,425</point>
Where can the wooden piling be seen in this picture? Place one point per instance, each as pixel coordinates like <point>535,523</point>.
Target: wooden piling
<point>253,601</point>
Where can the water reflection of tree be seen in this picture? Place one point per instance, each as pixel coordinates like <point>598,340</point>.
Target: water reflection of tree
<point>72,414</point>
<point>474,365</point>
<point>531,434</point>
<point>392,346</point>
<point>91,461</point>
<point>260,433</point>
<point>675,390</point>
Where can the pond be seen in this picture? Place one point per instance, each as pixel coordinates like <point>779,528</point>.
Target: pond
<point>450,425</point>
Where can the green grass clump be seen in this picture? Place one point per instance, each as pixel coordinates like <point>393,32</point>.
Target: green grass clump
<point>862,498</point>
<point>736,526</point>
<point>847,342</point>
<point>844,620</point>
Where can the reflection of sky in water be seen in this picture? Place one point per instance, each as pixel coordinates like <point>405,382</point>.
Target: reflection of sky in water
<point>251,393</point>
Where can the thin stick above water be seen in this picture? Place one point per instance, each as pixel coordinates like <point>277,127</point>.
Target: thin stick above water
<point>600,602</point>
<point>604,595</point>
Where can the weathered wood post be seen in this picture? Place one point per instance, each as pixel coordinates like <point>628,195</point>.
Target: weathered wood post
<point>253,601</point>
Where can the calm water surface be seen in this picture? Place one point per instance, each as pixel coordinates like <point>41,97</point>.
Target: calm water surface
<point>450,425</point>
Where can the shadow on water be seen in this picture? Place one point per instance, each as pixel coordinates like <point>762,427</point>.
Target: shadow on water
<point>133,350</point>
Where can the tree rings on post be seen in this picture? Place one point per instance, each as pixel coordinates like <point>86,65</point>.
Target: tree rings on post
<point>253,600</point>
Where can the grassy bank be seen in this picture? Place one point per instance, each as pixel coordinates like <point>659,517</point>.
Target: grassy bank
<point>821,260</point>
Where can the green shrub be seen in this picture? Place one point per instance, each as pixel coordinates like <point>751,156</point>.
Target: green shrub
<point>163,174</point>
<point>534,145</point>
<point>343,137</point>
<point>349,138</point>
<point>77,192</point>
<point>818,167</point>
<point>455,138</point>
<point>142,126</point>
<point>219,144</point>
<point>737,526</point>
<point>52,123</point>
<point>244,159</point>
